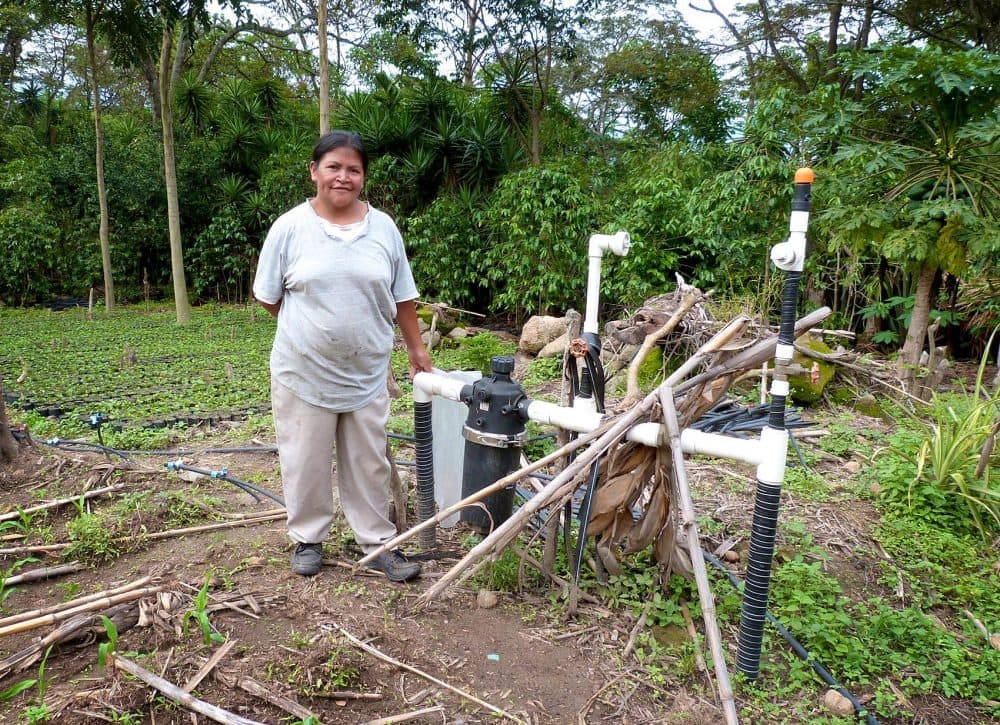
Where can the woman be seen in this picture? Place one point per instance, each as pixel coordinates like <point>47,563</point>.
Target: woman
<point>334,272</point>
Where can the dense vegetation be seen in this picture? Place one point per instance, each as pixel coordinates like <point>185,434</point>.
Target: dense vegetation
<point>501,141</point>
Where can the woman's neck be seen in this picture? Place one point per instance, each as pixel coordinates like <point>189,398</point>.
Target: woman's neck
<point>340,215</point>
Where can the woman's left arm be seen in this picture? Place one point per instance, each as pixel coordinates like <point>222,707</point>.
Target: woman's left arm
<point>406,317</point>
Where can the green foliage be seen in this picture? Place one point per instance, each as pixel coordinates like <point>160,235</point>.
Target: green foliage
<point>539,220</point>
<point>474,353</point>
<point>95,538</point>
<point>542,370</point>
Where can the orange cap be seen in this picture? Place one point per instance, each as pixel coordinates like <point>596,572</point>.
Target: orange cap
<point>805,175</point>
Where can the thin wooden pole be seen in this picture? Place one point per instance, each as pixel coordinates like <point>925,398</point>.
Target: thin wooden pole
<point>93,606</point>
<point>14,618</point>
<point>11,515</point>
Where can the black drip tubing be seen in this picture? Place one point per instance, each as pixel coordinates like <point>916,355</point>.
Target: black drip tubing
<point>223,475</point>
<point>796,646</point>
<point>423,443</point>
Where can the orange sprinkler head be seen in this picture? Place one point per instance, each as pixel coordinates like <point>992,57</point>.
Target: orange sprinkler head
<point>805,175</point>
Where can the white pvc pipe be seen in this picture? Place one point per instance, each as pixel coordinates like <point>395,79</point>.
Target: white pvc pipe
<point>721,446</point>
<point>599,243</point>
<point>653,435</point>
<point>774,443</point>
<point>581,421</point>
<point>427,385</point>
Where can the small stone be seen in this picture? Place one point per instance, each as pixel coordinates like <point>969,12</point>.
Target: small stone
<point>876,489</point>
<point>731,555</point>
<point>852,467</point>
<point>837,703</point>
<point>487,599</point>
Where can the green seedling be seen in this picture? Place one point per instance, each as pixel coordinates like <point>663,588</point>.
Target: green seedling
<point>6,591</point>
<point>200,615</point>
<point>106,649</point>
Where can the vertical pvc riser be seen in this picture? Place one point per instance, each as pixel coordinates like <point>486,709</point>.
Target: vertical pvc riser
<point>423,442</point>
<point>769,478</point>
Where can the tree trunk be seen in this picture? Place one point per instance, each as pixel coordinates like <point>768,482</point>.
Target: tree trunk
<point>324,70</point>
<point>8,446</point>
<point>181,304</point>
<point>102,191</point>
<point>916,333</point>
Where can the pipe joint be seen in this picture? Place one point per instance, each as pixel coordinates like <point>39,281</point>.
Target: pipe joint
<point>618,243</point>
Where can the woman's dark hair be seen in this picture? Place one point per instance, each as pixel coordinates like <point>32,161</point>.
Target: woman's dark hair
<point>337,139</point>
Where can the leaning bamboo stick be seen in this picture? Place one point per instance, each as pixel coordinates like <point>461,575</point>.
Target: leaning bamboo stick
<point>10,515</point>
<point>478,496</point>
<point>690,526</point>
<point>136,584</point>
<point>409,668</point>
<point>213,712</point>
<point>44,572</point>
<point>690,299</point>
<point>93,606</point>
<point>40,549</point>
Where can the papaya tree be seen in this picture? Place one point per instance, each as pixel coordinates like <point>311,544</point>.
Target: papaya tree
<point>919,173</point>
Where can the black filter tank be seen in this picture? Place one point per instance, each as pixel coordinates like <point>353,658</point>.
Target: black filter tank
<point>494,433</point>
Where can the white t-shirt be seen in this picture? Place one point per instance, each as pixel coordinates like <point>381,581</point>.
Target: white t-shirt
<point>338,290</point>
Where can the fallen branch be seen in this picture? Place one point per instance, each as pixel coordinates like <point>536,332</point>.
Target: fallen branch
<point>178,695</point>
<point>391,660</point>
<point>406,716</point>
<point>44,572</point>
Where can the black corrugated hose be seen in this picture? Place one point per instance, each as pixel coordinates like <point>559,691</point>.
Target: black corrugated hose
<point>423,443</point>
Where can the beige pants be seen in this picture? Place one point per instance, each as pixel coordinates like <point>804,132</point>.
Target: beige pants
<point>307,435</point>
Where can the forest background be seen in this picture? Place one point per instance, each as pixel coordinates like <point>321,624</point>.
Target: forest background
<point>147,146</point>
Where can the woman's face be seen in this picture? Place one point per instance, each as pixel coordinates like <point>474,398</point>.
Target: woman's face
<point>339,177</point>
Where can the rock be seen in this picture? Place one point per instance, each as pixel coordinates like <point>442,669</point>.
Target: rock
<point>458,333</point>
<point>431,339</point>
<point>556,348</point>
<point>866,404</point>
<point>852,467</point>
<point>487,599</point>
<point>808,388</point>
<point>731,556</point>
<point>539,331</point>
<point>422,326</point>
<point>837,703</point>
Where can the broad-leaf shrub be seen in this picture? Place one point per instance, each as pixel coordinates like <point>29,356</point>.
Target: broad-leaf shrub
<point>539,220</point>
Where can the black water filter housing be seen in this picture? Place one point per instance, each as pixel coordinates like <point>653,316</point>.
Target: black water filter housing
<point>494,434</point>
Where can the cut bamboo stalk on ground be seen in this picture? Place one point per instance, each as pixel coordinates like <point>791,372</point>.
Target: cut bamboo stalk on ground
<point>94,606</point>
<point>14,618</point>
<point>11,515</point>
<point>209,665</point>
<point>266,693</point>
<point>45,572</point>
<point>409,668</point>
<point>178,695</point>
<point>406,716</point>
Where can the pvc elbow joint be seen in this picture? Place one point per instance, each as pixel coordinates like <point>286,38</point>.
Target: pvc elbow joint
<point>618,243</point>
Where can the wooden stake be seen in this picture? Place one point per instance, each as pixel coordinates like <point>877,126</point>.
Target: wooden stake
<point>209,665</point>
<point>178,695</point>
<point>409,668</point>
<point>690,528</point>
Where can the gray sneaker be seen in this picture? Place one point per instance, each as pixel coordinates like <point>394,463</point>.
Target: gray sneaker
<point>307,559</point>
<point>395,566</point>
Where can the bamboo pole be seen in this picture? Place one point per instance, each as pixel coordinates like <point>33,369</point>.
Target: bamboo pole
<point>11,515</point>
<point>94,606</point>
<point>406,716</point>
<point>44,572</point>
<point>690,527</point>
<point>430,678</point>
<point>266,693</point>
<point>478,496</point>
<point>213,712</point>
<point>689,300</point>
<point>14,618</point>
